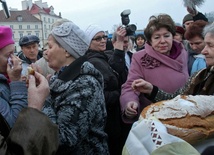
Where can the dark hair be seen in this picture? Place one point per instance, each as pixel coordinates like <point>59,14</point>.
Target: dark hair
<point>139,36</point>
<point>157,22</point>
<point>195,29</point>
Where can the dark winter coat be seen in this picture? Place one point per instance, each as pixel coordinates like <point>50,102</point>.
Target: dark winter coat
<point>33,133</point>
<point>112,66</point>
<point>77,105</point>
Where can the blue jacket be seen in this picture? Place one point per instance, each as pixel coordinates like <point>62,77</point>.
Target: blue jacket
<point>13,98</point>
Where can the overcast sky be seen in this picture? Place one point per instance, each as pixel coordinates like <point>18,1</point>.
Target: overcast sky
<point>106,13</point>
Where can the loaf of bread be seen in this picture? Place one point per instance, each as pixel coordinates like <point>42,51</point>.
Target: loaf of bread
<point>189,117</point>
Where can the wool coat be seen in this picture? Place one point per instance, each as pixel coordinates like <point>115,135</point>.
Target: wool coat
<point>200,83</point>
<point>161,70</point>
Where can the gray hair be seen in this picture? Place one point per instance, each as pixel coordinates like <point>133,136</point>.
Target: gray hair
<point>208,29</point>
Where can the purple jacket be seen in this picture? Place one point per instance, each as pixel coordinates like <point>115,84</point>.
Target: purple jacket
<point>167,73</point>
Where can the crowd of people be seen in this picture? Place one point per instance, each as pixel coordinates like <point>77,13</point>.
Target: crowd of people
<point>84,97</point>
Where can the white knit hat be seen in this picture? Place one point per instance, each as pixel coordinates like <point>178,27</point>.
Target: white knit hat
<point>71,38</point>
<point>92,30</point>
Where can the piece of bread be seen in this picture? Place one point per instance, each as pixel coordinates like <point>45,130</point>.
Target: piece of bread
<point>30,70</point>
<point>189,117</point>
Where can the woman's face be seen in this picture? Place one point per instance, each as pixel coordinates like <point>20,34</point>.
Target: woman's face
<point>5,54</point>
<point>197,44</point>
<point>56,55</point>
<point>208,50</point>
<point>161,41</point>
<point>140,41</point>
<point>98,43</point>
<point>178,37</point>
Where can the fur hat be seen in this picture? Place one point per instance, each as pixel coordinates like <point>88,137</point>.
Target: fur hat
<point>188,17</point>
<point>6,36</point>
<point>92,30</point>
<point>71,38</point>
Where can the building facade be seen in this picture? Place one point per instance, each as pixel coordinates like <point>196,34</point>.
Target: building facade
<point>34,19</point>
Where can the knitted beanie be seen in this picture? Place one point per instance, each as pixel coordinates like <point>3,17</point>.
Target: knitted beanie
<point>188,17</point>
<point>6,36</point>
<point>71,38</point>
<point>92,30</point>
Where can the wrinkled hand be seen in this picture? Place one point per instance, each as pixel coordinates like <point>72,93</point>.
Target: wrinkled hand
<point>131,110</point>
<point>142,86</point>
<point>38,90</point>
<point>14,71</point>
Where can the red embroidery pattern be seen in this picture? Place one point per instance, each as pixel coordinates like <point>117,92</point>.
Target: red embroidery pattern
<point>149,62</point>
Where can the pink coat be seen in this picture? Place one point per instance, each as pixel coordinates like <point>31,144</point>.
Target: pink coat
<point>162,71</point>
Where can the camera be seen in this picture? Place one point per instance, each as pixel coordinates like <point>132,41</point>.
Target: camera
<point>130,28</point>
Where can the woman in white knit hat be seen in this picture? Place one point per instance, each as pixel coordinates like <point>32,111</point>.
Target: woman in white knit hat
<point>112,80</point>
<point>76,103</point>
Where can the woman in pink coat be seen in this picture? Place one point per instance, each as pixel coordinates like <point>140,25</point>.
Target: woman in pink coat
<point>163,63</point>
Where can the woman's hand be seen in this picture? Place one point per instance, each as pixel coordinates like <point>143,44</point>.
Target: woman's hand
<point>14,68</point>
<point>38,90</point>
<point>131,110</point>
<point>142,86</point>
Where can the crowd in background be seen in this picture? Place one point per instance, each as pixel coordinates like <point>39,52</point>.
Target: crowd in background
<point>88,90</point>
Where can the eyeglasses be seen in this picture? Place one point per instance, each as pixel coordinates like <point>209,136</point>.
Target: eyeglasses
<point>99,38</point>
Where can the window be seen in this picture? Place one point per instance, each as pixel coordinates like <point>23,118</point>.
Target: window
<point>28,26</point>
<point>20,27</point>
<point>11,26</point>
<point>48,20</point>
<point>36,27</point>
<point>20,35</point>
<point>28,33</point>
<point>37,34</point>
<point>19,18</point>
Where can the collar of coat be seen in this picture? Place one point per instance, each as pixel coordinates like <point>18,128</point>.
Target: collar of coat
<point>73,70</point>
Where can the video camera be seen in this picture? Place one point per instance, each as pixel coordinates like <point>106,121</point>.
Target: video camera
<point>130,28</point>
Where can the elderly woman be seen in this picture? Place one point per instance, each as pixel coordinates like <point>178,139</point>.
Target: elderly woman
<point>163,62</point>
<point>200,83</point>
<point>76,103</point>
<point>13,91</point>
<point>112,69</point>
